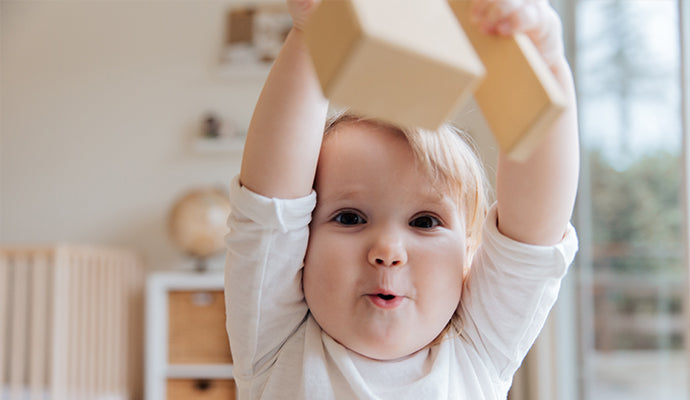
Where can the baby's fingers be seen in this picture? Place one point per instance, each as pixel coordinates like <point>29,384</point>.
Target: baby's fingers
<point>492,15</point>
<point>534,15</point>
<point>300,10</point>
<point>535,18</point>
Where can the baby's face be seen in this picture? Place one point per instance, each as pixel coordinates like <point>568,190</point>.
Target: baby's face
<point>383,271</point>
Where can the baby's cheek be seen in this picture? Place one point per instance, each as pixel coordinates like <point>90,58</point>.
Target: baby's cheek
<point>453,290</point>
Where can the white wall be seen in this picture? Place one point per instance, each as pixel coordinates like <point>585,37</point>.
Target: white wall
<point>99,100</point>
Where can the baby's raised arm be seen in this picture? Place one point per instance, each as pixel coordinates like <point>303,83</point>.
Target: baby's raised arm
<point>285,132</point>
<point>536,197</point>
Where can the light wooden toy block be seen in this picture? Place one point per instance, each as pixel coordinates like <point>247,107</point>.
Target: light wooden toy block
<point>519,97</point>
<point>403,61</point>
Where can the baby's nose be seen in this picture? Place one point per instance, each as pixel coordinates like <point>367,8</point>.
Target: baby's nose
<point>388,252</point>
<point>387,263</point>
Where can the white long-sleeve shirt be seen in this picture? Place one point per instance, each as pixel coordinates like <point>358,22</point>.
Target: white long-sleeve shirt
<point>280,352</point>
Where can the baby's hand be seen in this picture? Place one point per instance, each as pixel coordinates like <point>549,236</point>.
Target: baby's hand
<point>300,10</point>
<point>535,18</point>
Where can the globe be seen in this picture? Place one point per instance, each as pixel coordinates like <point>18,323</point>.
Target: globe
<point>197,223</point>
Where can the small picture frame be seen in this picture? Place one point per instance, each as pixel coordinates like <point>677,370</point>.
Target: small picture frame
<point>217,136</point>
<point>254,36</point>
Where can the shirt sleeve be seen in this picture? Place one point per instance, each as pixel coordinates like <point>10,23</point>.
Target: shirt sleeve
<point>264,301</point>
<point>509,292</point>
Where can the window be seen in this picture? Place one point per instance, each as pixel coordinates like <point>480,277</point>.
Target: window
<point>631,273</point>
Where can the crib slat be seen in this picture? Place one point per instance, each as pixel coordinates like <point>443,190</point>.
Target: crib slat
<point>100,326</point>
<point>73,310</point>
<point>68,333</point>
<point>40,320</point>
<point>110,336</point>
<point>121,336</point>
<point>101,348</point>
<point>91,277</point>
<point>91,316</point>
<point>4,305</point>
<point>103,324</point>
<point>18,327</point>
<point>82,300</point>
<point>136,309</point>
<point>60,311</point>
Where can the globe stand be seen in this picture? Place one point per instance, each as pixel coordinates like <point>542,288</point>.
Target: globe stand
<point>200,265</point>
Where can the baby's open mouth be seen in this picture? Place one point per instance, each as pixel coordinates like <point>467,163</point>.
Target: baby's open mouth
<point>386,300</point>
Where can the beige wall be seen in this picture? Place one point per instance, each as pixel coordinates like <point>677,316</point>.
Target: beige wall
<point>99,101</point>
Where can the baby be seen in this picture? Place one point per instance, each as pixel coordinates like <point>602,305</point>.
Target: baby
<point>399,281</point>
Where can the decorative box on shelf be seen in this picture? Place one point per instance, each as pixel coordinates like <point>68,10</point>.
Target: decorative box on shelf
<point>187,350</point>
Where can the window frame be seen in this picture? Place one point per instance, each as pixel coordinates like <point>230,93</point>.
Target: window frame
<point>684,26</point>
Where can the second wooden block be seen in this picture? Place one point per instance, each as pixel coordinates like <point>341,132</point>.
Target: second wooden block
<point>520,98</point>
<point>403,61</point>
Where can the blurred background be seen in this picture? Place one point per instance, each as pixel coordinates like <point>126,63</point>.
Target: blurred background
<point>630,281</point>
<point>111,110</point>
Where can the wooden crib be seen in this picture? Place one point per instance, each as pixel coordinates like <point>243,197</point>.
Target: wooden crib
<point>70,323</point>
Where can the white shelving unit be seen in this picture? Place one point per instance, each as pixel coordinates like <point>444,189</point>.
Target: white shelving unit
<point>160,372</point>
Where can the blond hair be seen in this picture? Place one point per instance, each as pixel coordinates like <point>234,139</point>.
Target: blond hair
<point>449,156</point>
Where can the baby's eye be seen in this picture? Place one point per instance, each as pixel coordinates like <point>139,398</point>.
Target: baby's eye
<point>425,222</point>
<point>349,218</point>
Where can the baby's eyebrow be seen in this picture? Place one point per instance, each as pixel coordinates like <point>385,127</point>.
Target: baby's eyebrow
<point>433,196</point>
<point>436,199</point>
<point>344,195</point>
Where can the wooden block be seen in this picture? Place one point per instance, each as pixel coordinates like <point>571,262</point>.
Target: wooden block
<point>196,328</point>
<point>403,61</point>
<point>519,97</point>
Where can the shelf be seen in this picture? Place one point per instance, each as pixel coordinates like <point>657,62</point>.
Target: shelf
<point>178,378</point>
<point>200,371</point>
